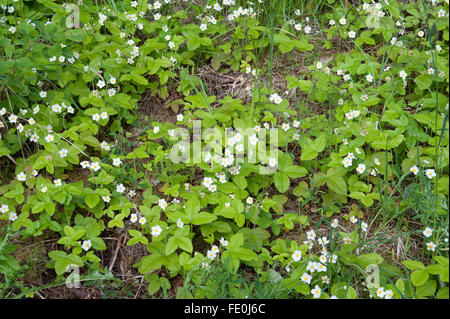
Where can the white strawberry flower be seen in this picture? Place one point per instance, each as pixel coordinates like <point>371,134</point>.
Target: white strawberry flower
<point>306,278</point>
<point>156,230</point>
<point>86,245</point>
<point>430,173</point>
<point>361,168</point>
<point>223,242</point>
<point>85,164</point>
<point>120,188</point>
<point>316,292</point>
<point>95,166</point>
<point>101,84</point>
<point>297,255</point>
<point>12,216</point>
<point>162,203</point>
<point>21,176</point>
<point>414,169</point>
<point>117,161</point>
<point>4,208</point>
<point>63,152</point>
<point>428,232</point>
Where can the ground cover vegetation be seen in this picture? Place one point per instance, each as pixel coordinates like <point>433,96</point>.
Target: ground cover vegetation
<point>339,109</point>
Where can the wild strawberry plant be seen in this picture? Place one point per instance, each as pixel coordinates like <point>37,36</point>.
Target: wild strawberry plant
<point>304,184</point>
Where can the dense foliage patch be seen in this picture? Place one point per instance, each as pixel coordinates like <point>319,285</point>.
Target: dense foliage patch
<point>321,173</point>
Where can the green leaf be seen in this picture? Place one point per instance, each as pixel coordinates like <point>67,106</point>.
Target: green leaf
<point>311,149</point>
<point>98,243</point>
<point>442,260</point>
<point>413,265</point>
<point>369,259</point>
<point>295,171</point>
<point>302,288</point>
<point>133,241</point>
<point>424,81</point>
<point>171,245</point>
<point>426,290</point>
<point>267,203</point>
<point>63,261</point>
<point>153,283</point>
<point>124,100</point>
<point>308,153</point>
<point>443,293</point>
<point>38,207</point>
<point>228,188</point>
<point>93,230</point>
<point>139,79</point>
<point>282,181</point>
<point>185,244</point>
<point>192,206</point>
<point>203,218</point>
<point>254,238</point>
<point>134,233</point>
<point>92,200</point>
<point>240,181</point>
<point>74,233</point>
<point>4,151</point>
<point>419,277</point>
<point>237,240</point>
<point>244,254</point>
<point>102,179</point>
<point>150,263</point>
<point>335,180</point>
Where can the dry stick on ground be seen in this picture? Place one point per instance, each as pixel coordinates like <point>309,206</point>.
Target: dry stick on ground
<point>39,294</point>
<point>34,244</point>
<point>139,289</point>
<point>12,159</point>
<point>119,243</point>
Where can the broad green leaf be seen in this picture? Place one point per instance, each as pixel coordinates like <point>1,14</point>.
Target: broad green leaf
<point>282,181</point>
<point>413,265</point>
<point>203,218</point>
<point>92,200</point>
<point>295,171</point>
<point>419,277</point>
